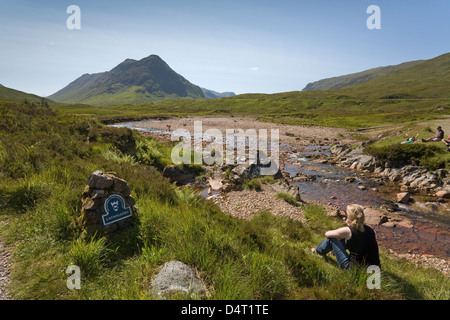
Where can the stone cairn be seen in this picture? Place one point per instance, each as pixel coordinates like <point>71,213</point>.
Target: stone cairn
<point>102,187</point>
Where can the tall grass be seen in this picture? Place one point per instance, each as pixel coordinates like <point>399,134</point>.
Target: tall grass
<point>88,254</point>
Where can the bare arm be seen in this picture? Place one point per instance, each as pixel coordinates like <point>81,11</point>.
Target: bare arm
<point>340,234</point>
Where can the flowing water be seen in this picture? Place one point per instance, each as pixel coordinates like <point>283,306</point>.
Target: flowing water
<point>341,186</point>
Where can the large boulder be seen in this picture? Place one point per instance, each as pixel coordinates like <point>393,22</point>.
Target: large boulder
<point>174,278</point>
<point>244,172</point>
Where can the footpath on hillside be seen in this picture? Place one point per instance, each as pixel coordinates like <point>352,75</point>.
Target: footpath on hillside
<point>4,271</point>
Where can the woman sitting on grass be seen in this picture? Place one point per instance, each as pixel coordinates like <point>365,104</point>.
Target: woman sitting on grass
<point>437,137</point>
<point>357,237</point>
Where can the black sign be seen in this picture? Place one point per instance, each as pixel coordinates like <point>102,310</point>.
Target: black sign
<point>115,210</point>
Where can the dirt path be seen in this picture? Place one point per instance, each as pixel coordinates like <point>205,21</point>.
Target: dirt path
<point>4,271</point>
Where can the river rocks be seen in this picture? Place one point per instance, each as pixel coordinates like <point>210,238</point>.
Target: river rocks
<point>178,174</point>
<point>443,194</point>
<point>416,178</point>
<point>353,158</point>
<point>403,197</point>
<point>373,216</point>
<point>249,172</point>
<point>382,217</point>
<point>304,178</point>
<point>216,184</point>
<point>390,207</point>
<point>101,187</point>
<point>284,187</point>
<point>175,278</point>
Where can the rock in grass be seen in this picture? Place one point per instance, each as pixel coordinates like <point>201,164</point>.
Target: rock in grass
<point>175,278</point>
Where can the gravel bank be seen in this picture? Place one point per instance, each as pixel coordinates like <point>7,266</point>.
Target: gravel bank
<point>246,204</point>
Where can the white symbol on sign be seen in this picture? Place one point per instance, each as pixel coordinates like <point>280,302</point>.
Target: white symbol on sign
<point>115,205</point>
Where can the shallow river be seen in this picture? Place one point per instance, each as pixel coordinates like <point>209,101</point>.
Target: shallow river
<point>341,186</point>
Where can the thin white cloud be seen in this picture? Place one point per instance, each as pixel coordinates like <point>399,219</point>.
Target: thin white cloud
<point>254,68</point>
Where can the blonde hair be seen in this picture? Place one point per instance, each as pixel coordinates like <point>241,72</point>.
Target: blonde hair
<point>355,215</point>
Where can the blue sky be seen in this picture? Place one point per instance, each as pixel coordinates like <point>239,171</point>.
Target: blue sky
<point>242,46</point>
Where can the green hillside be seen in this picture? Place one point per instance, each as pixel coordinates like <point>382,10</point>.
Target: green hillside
<point>356,78</point>
<point>415,79</point>
<point>428,79</point>
<point>8,94</point>
<point>131,82</point>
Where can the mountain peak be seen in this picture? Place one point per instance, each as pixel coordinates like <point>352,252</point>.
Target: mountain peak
<point>131,82</point>
<point>153,56</point>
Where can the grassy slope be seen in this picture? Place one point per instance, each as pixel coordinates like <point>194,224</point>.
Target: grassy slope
<point>45,158</point>
<point>356,78</point>
<point>428,79</point>
<point>8,94</point>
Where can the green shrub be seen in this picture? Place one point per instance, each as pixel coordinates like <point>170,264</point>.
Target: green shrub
<point>22,196</point>
<point>121,138</point>
<point>187,195</point>
<point>288,198</point>
<point>403,154</point>
<point>147,152</point>
<point>117,156</point>
<point>252,185</point>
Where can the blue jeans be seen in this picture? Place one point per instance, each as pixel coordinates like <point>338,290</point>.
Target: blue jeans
<point>338,247</point>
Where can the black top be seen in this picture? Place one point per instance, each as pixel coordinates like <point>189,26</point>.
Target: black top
<point>363,247</point>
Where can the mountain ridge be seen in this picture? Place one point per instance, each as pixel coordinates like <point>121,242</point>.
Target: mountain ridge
<point>14,95</point>
<point>211,94</point>
<point>350,79</point>
<point>130,82</point>
<point>427,79</point>
<point>415,79</point>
